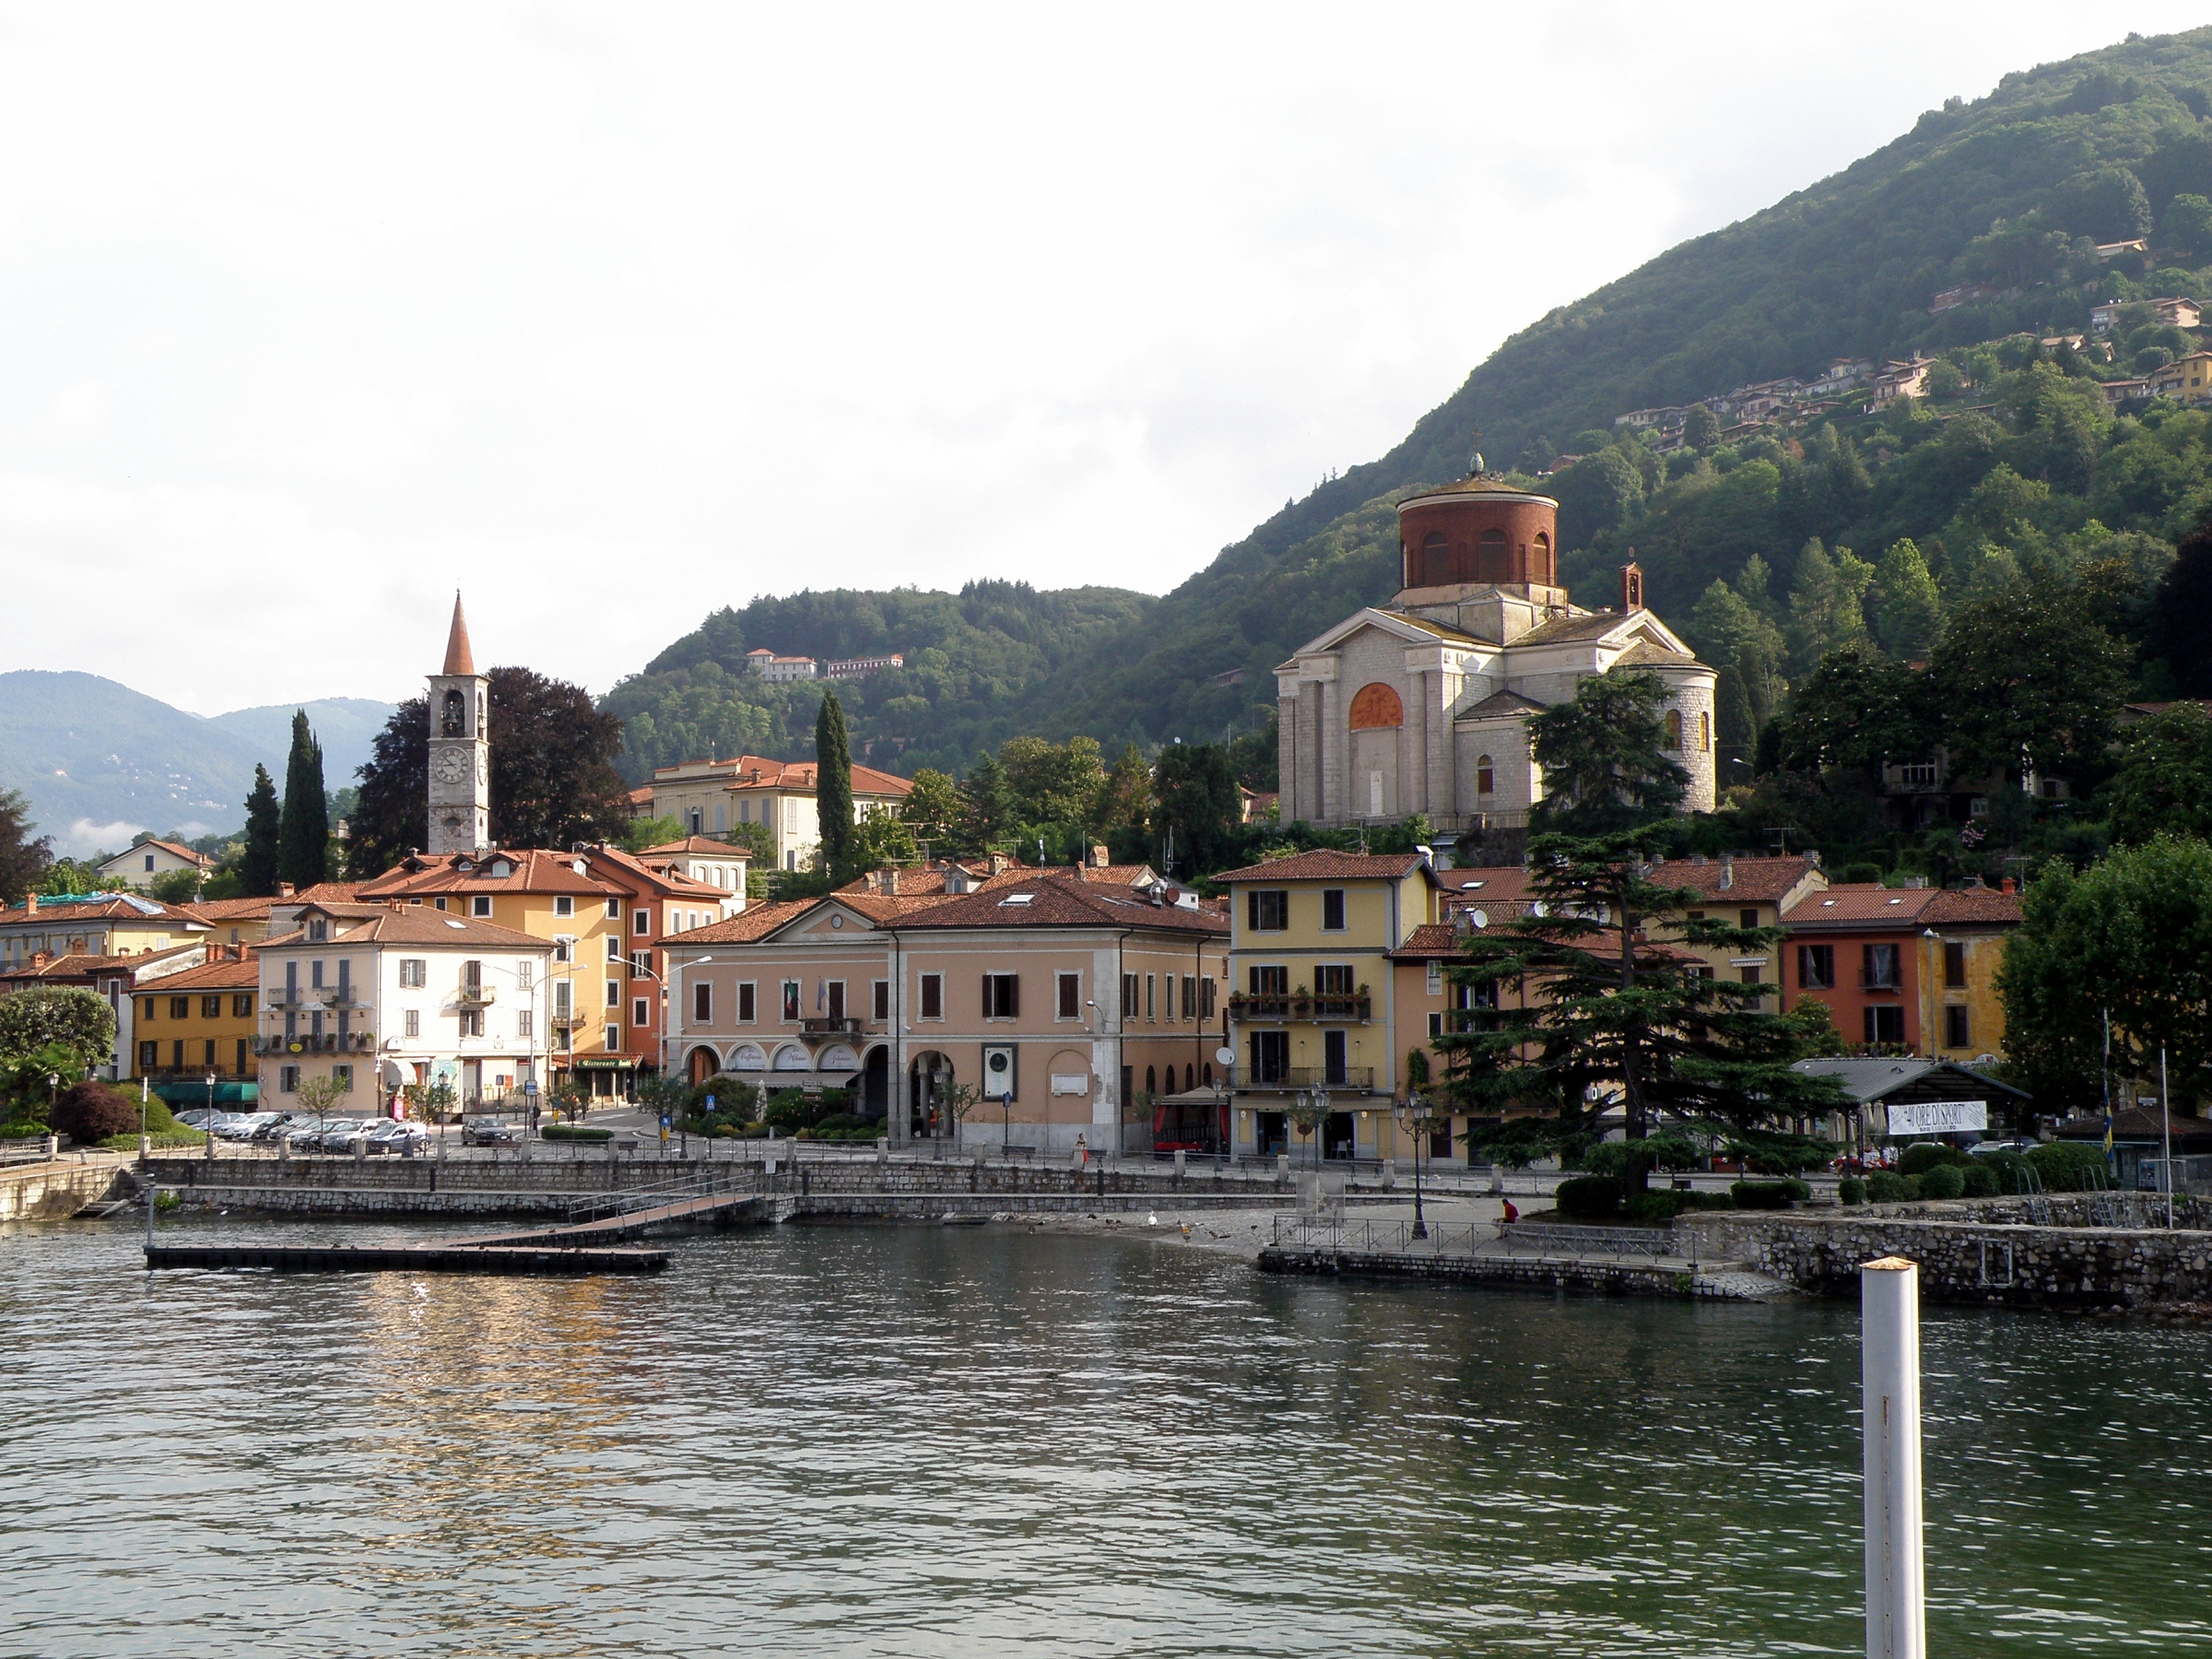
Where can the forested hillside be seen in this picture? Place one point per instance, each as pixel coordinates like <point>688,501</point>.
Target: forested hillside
<point>2017,461</point>
<point>968,658</point>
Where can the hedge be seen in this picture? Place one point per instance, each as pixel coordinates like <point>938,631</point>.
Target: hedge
<point>1887,1186</point>
<point>1769,1195</point>
<point>1588,1199</point>
<point>1922,1156</point>
<point>1851,1190</point>
<point>1945,1181</point>
<point>2070,1166</point>
<point>574,1132</point>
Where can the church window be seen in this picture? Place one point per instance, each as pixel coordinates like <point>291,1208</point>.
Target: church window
<point>1541,560</point>
<point>1704,733</point>
<point>1436,559</point>
<point>455,716</point>
<point>1485,776</point>
<point>1673,728</point>
<point>1491,563</point>
<point>1375,706</point>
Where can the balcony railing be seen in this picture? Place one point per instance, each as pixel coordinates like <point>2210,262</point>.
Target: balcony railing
<point>1291,1006</point>
<point>330,1042</point>
<point>475,993</point>
<point>833,1025</point>
<point>1880,981</point>
<point>568,1021</point>
<point>1289,1079</point>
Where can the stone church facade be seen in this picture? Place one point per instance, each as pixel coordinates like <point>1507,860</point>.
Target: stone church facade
<point>1422,705</point>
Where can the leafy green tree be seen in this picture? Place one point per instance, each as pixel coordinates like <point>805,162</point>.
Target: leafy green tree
<point>1604,756</point>
<point>2027,680</point>
<point>175,886</point>
<point>257,869</point>
<point>2188,224</point>
<point>1857,709</point>
<point>1598,493</point>
<point>933,810</point>
<point>881,840</point>
<point>2104,204</point>
<point>1125,802</point>
<point>553,778</point>
<point>78,1020</point>
<point>1198,812</point>
<point>2179,630</point>
<point>1827,603</point>
<point>303,835</point>
<point>22,857</point>
<point>1908,605</point>
<point>1052,783</point>
<point>65,876</point>
<point>833,789</point>
<point>642,833</point>
<point>987,812</point>
<point>2164,786</point>
<point>1581,1008</point>
<point>1701,428</point>
<point>2130,937</point>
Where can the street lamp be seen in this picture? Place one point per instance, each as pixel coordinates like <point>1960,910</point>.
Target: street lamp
<point>1412,1114</point>
<point>208,1129</point>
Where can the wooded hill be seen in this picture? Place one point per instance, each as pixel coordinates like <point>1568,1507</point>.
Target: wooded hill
<point>2021,463</point>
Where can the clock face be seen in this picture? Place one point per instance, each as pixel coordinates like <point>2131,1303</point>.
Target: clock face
<point>450,767</point>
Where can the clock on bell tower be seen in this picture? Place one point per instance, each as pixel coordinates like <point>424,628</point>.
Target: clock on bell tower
<point>460,781</point>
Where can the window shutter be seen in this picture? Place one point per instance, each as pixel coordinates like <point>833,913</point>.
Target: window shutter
<point>988,1009</point>
<point>1252,910</point>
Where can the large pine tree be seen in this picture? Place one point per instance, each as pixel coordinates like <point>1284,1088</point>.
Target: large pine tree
<point>833,789</point>
<point>22,857</point>
<point>257,869</point>
<point>303,836</point>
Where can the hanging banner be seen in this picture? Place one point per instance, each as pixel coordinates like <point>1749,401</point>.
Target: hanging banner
<point>1938,1117</point>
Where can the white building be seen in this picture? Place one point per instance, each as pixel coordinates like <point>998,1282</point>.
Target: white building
<point>381,998</point>
<point>137,866</point>
<point>769,667</point>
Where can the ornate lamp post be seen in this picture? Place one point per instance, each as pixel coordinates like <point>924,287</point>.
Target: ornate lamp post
<point>1412,1114</point>
<point>209,1130</point>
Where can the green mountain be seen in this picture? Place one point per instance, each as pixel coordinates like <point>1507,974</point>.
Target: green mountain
<point>100,761</point>
<point>2017,459</point>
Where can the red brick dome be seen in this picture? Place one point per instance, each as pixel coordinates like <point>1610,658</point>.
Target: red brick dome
<point>1478,531</point>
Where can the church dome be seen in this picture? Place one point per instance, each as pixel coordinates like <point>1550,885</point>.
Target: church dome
<point>1480,531</point>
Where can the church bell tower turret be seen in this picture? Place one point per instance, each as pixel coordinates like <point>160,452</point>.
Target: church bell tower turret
<point>460,780</point>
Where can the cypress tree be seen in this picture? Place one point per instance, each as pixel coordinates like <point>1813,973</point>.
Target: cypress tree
<point>258,868</point>
<point>303,839</point>
<point>833,788</point>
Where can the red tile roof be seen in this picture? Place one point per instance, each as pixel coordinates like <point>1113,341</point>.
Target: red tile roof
<point>233,910</point>
<point>703,845</point>
<point>755,922</point>
<point>1327,865</point>
<point>121,906</point>
<point>794,775</point>
<point>1965,907</point>
<point>382,926</point>
<point>1055,901</point>
<point>1750,880</point>
<point>232,974</point>
<point>1859,905</point>
<point>620,867</point>
<point>535,870</point>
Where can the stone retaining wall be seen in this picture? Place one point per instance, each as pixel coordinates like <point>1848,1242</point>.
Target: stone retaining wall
<point>1534,1272</point>
<point>1970,1259</point>
<point>49,1191</point>
<point>917,1206</point>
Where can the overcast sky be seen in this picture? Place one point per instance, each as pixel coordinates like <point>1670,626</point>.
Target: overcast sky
<point>613,316</point>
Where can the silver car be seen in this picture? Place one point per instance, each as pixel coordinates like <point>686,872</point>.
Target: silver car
<point>403,1139</point>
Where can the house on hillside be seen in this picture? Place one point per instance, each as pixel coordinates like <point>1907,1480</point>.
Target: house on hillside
<point>777,670</point>
<point>2185,379</point>
<point>1953,298</point>
<point>710,797</point>
<point>2170,311</point>
<point>137,868</point>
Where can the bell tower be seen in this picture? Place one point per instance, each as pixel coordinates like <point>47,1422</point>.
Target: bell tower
<point>460,779</point>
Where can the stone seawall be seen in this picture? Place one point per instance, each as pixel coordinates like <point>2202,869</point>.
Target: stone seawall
<point>920,1207</point>
<point>369,1203</point>
<point>1532,1273</point>
<point>49,1191</point>
<point>1969,1260</point>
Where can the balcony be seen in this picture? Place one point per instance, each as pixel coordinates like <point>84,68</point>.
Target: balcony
<point>475,993</point>
<point>292,998</point>
<point>330,1042</point>
<point>1290,1079</point>
<point>831,1025</point>
<point>1878,982</point>
<point>1292,1006</point>
<point>568,1021</point>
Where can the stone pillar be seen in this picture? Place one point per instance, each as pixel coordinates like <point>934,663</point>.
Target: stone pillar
<point>1330,748</point>
<point>1310,751</point>
<point>1286,738</point>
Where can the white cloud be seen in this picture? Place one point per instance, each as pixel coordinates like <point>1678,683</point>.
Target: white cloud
<point>611,316</point>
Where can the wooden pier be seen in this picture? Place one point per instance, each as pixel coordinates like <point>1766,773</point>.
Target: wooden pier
<point>405,1258</point>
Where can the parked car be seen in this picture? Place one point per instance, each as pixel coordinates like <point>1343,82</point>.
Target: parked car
<point>197,1117</point>
<point>282,1125</point>
<point>341,1137</point>
<point>486,1132</point>
<point>403,1139</point>
<point>243,1126</point>
<point>1985,1148</point>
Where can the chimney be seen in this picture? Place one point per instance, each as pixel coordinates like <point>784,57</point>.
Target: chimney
<point>1000,863</point>
<point>284,889</point>
<point>1098,856</point>
<point>38,959</point>
<point>887,881</point>
<point>2008,885</point>
<point>1727,871</point>
<point>30,904</point>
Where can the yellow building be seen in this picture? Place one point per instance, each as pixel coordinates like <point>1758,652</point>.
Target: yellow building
<point>102,924</point>
<point>1961,943</point>
<point>1742,892</point>
<point>549,896</point>
<point>1310,999</point>
<point>195,1024</point>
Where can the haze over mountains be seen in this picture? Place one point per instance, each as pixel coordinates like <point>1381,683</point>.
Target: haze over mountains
<point>100,762</point>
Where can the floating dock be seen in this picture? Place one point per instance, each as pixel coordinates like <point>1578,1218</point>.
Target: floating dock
<point>404,1258</point>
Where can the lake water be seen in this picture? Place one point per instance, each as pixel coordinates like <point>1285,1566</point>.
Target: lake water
<point>952,1441</point>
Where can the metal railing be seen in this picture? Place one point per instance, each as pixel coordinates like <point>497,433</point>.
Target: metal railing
<point>1395,1238</point>
<point>1268,1006</point>
<point>631,1202</point>
<point>1289,1078</point>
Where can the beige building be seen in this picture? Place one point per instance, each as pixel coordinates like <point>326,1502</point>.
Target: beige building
<point>710,797</point>
<point>137,866</point>
<point>106,925</point>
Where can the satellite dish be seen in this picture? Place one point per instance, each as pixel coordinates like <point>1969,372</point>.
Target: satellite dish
<point>1482,918</point>
<point>1225,1056</point>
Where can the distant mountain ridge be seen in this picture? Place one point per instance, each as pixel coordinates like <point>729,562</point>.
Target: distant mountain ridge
<point>100,761</point>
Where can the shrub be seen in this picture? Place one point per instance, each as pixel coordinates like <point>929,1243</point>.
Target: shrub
<point>1851,1190</point>
<point>1705,1201</point>
<point>1588,1199</point>
<point>168,1137</point>
<point>790,1111</point>
<point>91,1111</point>
<point>2009,1171</point>
<point>2070,1166</point>
<point>1653,1209</point>
<point>1922,1156</point>
<point>1981,1181</point>
<point>1885,1186</point>
<point>1768,1194</point>
<point>1945,1181</point>
<point>574,1132</point>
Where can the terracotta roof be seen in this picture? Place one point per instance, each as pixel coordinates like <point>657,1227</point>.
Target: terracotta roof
<point>382,926</point>
<point>1960,907</point>
<point>1645,654</point>
<point>1430,941</point>
<point>1327,865</point>
<point>169,847</point>
<point>536,870</point>
<point>324,892</point>
<point>641,796</point>
<point>1055,901</point>
<point>1752,880</point>
<point>79,964</point>
<point>1487,884</point>
<point>800,774</point>
<point>703,844</point>
<point>1566,630</point>
<point>1859,905</point>
<point>667,879</point>
<point>233,910</point>
<point>121,906</point>
<point>1501,705</point>
<point>232,974</point>
<point>755,922</point>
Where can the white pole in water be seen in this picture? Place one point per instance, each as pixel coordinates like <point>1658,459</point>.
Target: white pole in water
<point>1889,1338</point>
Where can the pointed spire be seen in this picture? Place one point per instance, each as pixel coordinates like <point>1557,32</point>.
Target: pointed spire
<point>458,658</point>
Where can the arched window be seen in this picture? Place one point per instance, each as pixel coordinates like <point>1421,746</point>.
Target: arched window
<point>454,719</point>
<point>1190,1078</point>
<point>1491,562</point>
<point>1151,1079</point>
<point>1539,558</point>
<point>1206,1073</point>
<point>1673,728</point>
<point>1704,733</point>
<point>1436,560</point>
<point>1485,779</point>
